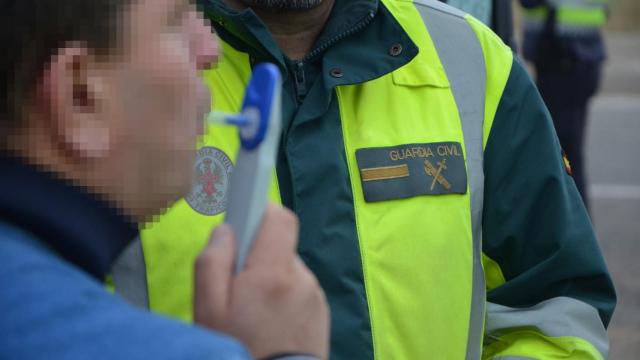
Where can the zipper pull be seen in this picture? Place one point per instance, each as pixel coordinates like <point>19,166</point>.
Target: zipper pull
<point>301,82</point>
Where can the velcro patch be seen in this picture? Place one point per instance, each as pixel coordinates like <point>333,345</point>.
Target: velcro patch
<point>405,171</point>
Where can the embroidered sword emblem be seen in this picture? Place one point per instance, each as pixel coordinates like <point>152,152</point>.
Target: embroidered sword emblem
<point>437,173</point>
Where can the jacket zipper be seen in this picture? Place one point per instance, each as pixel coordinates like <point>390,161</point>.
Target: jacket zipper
<point>300,85</point>
<point>357,28</point>
<point>300,81</point>
<point>299,74</point>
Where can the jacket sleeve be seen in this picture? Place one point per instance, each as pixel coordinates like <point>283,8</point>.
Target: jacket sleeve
<point>549,293</point>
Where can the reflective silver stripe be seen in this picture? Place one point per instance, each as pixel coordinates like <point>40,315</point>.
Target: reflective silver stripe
<point>480,9</point>
<point>560,316</point>
<point>585,4</point>
<point>129,274</point>
<point>537,25</point>
<point>463,60</point>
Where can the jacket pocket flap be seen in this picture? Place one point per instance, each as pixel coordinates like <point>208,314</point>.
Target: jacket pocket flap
<point>421,74</point>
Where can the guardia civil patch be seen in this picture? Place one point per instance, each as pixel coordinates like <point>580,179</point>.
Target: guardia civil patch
<point>405,171</point>
<point>212,170</point>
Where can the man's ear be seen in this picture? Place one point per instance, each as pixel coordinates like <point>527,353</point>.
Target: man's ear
<point>71,98</point>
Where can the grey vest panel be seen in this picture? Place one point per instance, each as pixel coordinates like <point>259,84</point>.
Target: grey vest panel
<point>556,317</point>
<point>480,9</point>
<point>129,275</point>
<point>463,60</point>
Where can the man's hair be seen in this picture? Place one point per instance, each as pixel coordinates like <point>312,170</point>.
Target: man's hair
<point>30,33</point>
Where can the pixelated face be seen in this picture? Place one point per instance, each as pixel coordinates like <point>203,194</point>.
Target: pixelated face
<point>157,99</point>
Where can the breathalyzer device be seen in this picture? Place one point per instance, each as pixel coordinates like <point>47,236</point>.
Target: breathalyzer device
<point>259,124</point>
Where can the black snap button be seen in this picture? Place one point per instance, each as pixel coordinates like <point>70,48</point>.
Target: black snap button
<point>395,50</point>
<point>336,73</point>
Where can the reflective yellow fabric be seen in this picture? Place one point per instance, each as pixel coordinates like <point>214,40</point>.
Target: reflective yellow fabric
<point>416,252</point>
<point>498,60</point>
<point>593,16</point>
<point>108,284</point>
<point>492,273</point>
<point>171,246</point>
<point>529,343</point>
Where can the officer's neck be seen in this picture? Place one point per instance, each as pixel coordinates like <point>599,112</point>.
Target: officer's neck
<point>295,32</point>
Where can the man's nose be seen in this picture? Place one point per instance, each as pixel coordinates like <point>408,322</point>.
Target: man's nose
<point>205,48</point>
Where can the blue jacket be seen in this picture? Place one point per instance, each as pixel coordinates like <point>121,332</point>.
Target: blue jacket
<point>56,246</point>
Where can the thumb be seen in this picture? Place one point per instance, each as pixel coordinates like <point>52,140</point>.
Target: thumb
<point>213,274</point>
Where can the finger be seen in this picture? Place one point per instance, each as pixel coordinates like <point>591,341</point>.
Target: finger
<point>277,238</point>
<point>213,275</point>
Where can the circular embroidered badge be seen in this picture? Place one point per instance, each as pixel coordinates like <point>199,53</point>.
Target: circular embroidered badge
<point>212,170</point>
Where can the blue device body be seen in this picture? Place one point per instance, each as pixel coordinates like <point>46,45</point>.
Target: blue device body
<point>259,94</point>
<point>259,123</point>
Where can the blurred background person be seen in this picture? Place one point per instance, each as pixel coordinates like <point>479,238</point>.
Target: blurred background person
<point>562,38</point>
<point>611,147</point>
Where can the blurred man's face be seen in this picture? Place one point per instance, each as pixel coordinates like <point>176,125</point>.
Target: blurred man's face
<point>154,100</point>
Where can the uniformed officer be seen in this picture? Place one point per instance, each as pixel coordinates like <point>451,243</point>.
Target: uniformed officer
<point>435,206</point>
<point>563,40</point>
